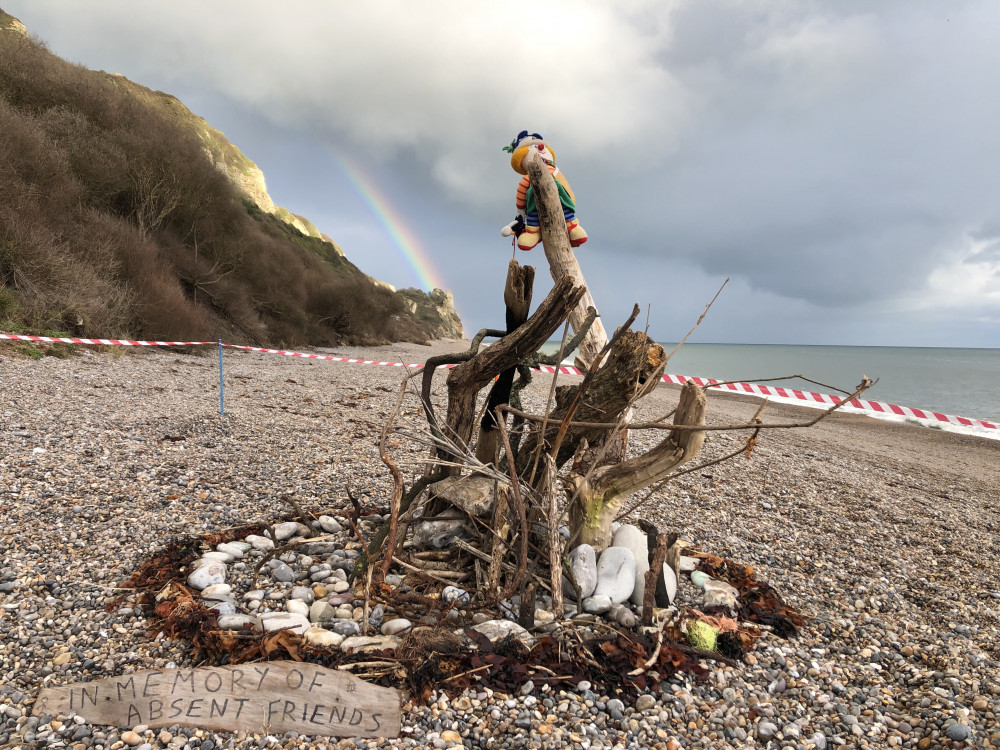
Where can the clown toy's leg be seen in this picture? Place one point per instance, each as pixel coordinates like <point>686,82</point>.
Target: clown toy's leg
<point>530,237</point>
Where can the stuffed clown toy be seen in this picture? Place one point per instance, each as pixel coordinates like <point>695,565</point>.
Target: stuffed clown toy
<point>525,226</point>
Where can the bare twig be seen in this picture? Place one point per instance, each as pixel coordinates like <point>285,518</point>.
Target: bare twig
<point>306,521</point>
<point>522,518</point>
<point>703,428</point>
<point>700,318</point>
<point>437,576</point>
<point>397,483</point>
<point>555,541</point>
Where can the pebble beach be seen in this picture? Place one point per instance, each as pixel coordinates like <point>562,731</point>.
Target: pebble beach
<point>885,536</point>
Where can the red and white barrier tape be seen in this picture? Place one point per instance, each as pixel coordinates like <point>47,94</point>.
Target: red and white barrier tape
<point>816,398</point>
<point>104,342</point>
<point>747,388</point>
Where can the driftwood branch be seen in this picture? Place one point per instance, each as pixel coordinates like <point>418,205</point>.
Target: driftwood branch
<point>555,541</point>
<point>562,261</point>
<point>633,367</point>
<point>652,575</point>
<point>517,298</point>
<point>469,377</point>
<point>599,495</point>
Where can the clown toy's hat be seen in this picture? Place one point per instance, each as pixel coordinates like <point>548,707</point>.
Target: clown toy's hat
<point>519,147</point>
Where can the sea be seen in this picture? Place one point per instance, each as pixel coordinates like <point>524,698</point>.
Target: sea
<point>952,381</point>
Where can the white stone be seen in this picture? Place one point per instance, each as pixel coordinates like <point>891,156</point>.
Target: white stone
<point>369,643</point>
<point>224,557</point>
<point>235,622</point>
<point>320,637</point>
<point>451,594</point>
<point>544,616</point>
<point>623,615</point>
<point>223,606</point>
<point>474,494</point>
<point>720,594</point>
<point>597,605</point>
<point>230,549</point>
<point>699,578</point>
<point>241,546</point>
<point>295,622</point>
<point>297,606</point>
<point>321,611</point>
<point>687,564</point>
<point>329,525</point>
<point>634,539</point>
<point>217,591</point>
<point>670,584</point>
<point>288,529</point>
<point>207,575</point>
<point>497,630</point>
<point>615,574</point>
<point>582,570</point>
<point>339,587</point>
<point>397,626</point>
<point>261,543</point>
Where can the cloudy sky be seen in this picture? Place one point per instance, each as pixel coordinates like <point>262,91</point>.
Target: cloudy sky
<point>838,160</point>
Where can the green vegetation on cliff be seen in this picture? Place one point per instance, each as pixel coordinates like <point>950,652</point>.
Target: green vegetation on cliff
<point>115,220</point>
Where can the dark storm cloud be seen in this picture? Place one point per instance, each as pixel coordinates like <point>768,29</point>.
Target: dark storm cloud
<point>840,160</point>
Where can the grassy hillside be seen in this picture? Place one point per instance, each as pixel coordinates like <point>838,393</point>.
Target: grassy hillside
<point>115,222</point>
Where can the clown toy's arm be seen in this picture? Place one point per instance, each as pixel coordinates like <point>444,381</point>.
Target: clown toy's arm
<point>521,197</point>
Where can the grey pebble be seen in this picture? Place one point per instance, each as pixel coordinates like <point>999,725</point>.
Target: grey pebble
<point>958,732</point>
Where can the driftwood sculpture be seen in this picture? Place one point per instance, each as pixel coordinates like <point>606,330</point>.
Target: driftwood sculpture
<point>496,506</point>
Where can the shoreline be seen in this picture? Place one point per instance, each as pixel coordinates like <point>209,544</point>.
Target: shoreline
<point>884,535</point>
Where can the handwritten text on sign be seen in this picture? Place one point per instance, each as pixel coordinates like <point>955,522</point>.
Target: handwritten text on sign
<point>277,696</point>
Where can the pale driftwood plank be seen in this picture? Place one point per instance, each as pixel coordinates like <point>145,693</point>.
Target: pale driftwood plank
<point>270,697</point>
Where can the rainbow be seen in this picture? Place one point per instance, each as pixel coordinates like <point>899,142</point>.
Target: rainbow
<point>394,224</point>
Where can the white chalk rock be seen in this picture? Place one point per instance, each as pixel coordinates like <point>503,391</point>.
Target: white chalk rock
<point>217,591</point>
<point>236,621</point>
<point>233,550</point>
<point>396,626</point>
<point>615,574</point>
<point>687,564</point>
<point>321,637</point>
<point>261,543</point>
<point>211,573</point>
<point>288,529</point>
<point>666,588</point>
<point>369,643</point>
<point>635,540</point>
<point>223,557</point>
<point>582,570</point>
<point>720,594</point>
<point>699,578</point>
<point>297,606</point>
<point>330,525</point>
<point>597,605</point>
<point>496,630</point>
<point>293,621</point>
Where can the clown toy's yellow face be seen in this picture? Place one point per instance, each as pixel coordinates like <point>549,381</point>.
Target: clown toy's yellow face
<point>523,151</point>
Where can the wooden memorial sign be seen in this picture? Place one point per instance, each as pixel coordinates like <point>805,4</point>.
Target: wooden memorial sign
<point>273,697</point>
